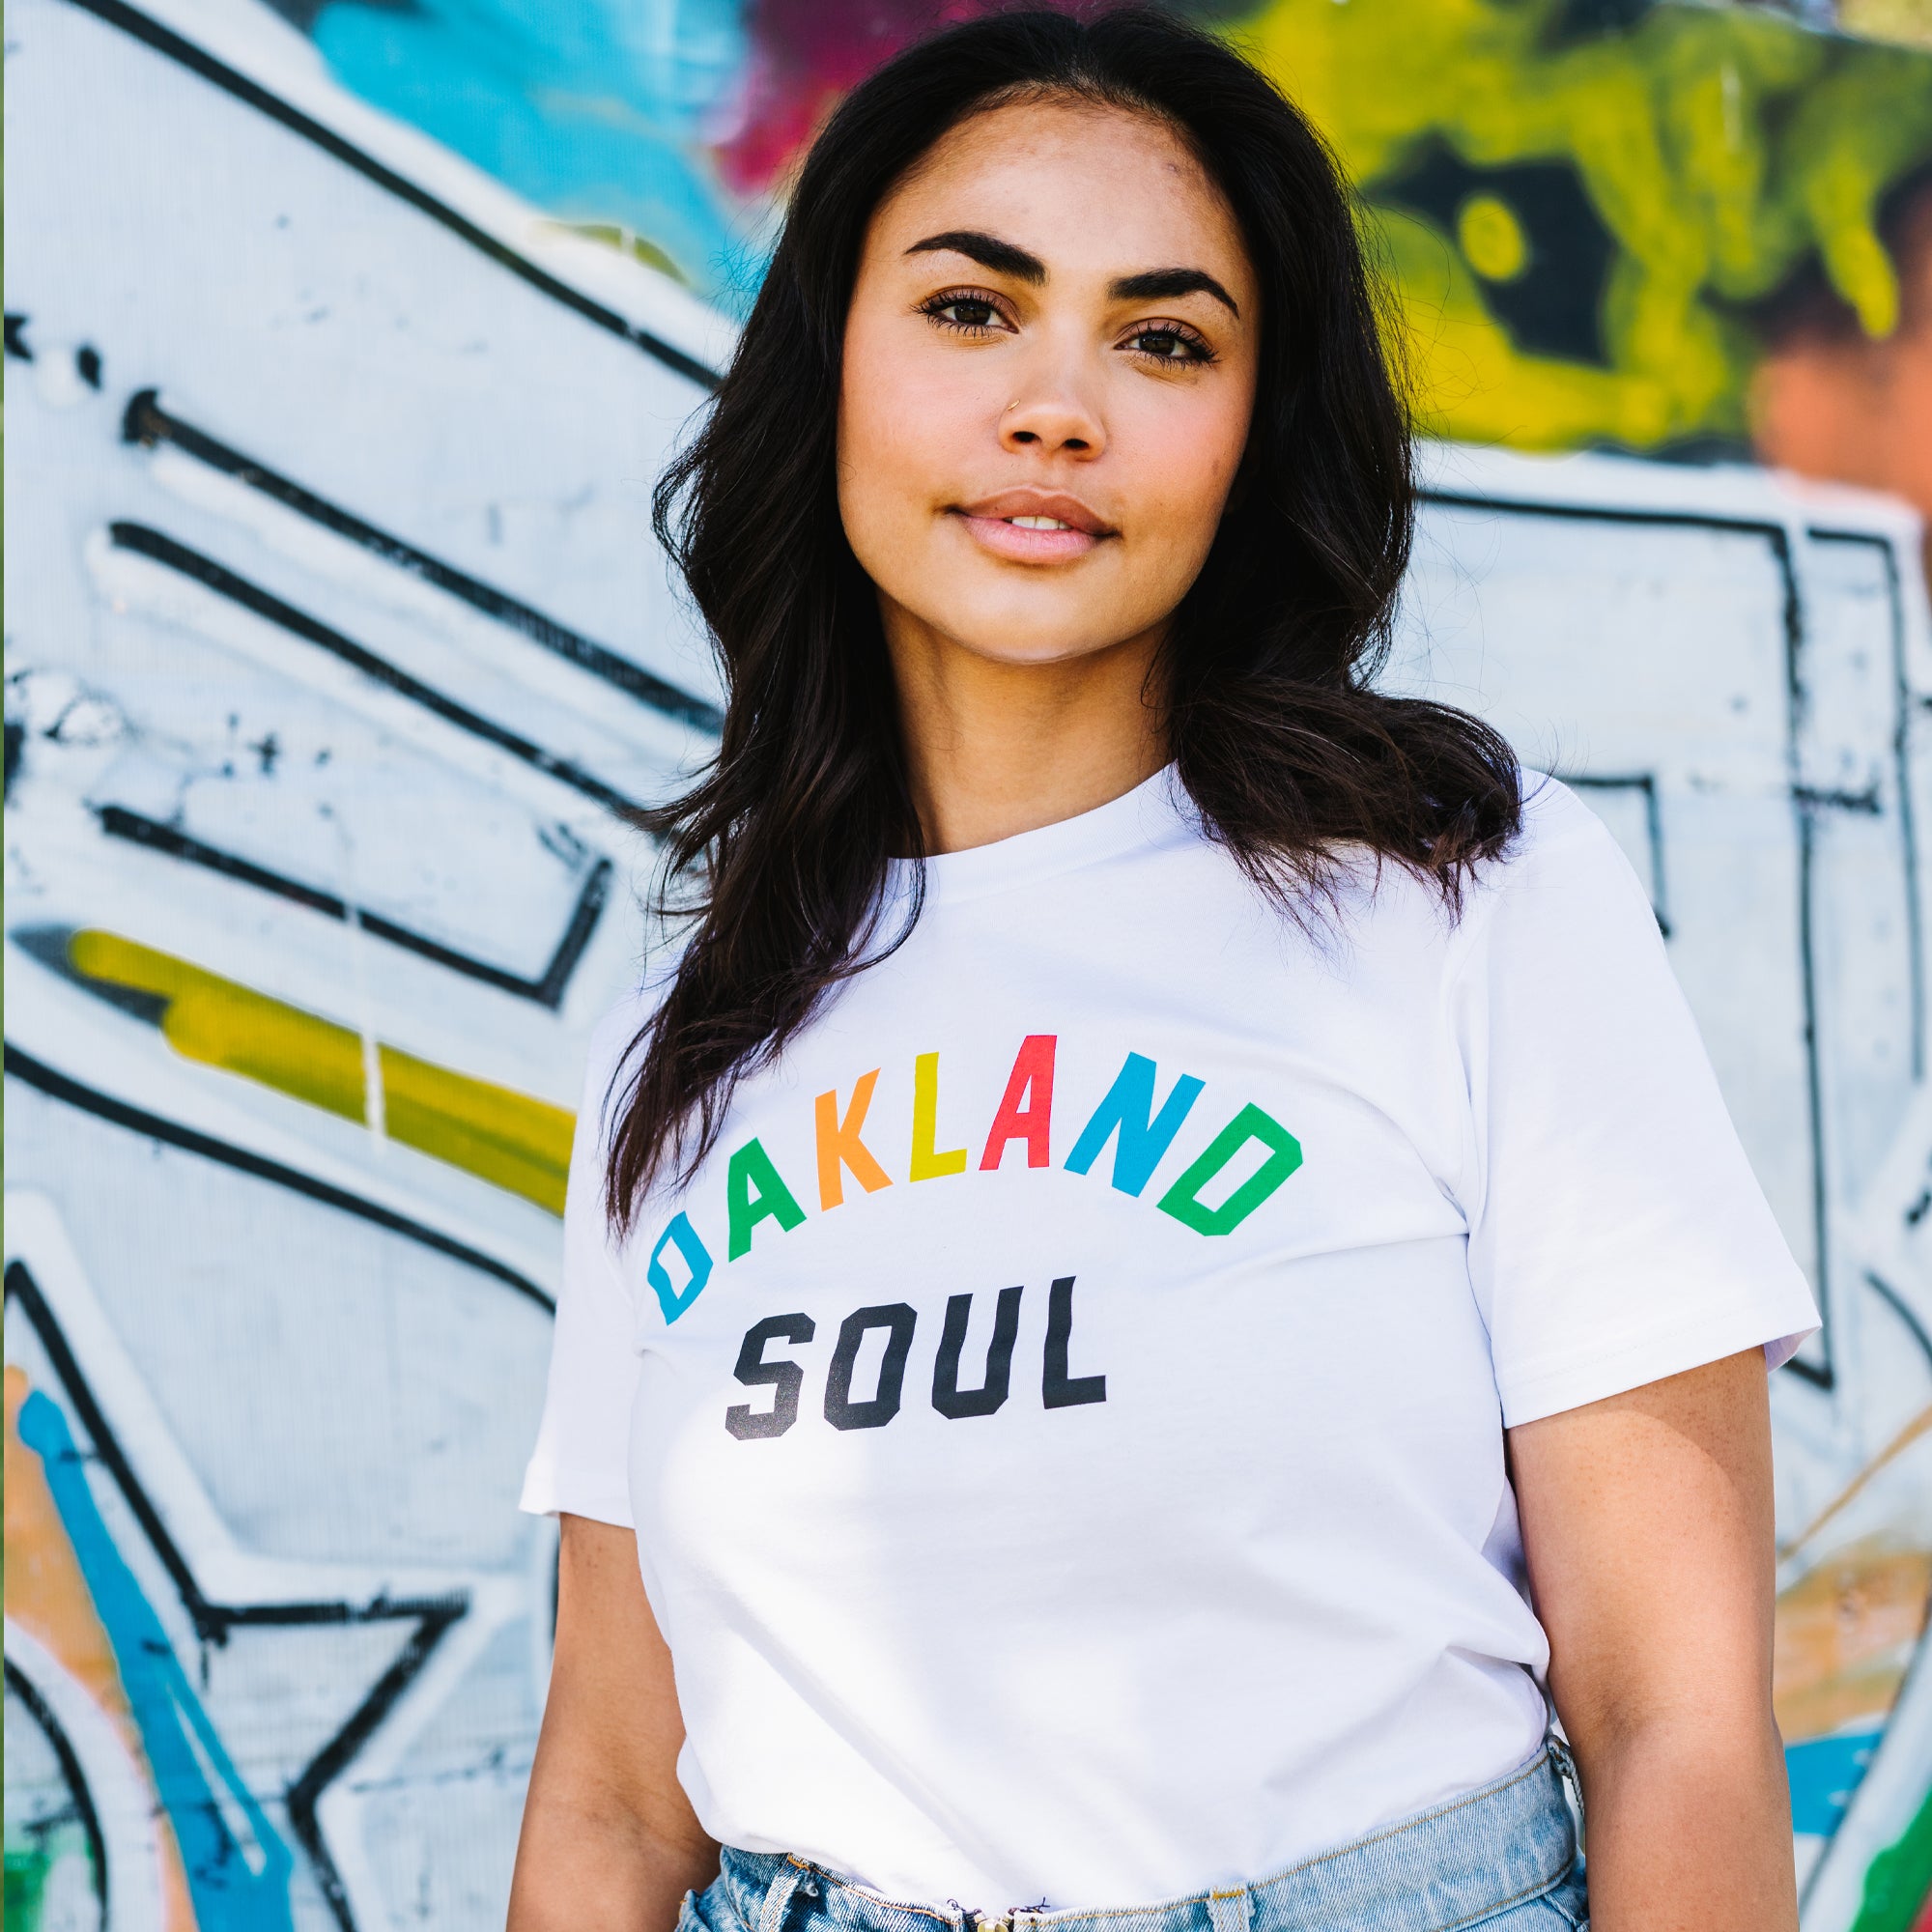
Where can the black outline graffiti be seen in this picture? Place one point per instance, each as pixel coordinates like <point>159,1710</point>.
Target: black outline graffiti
<point>62,1086</point>
<point>304,1795</point>
<point>143,541</point>
<point>164,41</point>
<point>1866,804</point>
<point>1902,779</point>
<point>146,424</point>
<point>1653,825</point>
<point>1903,1309</point>
<point>1805,808</point>
<point>547,990</point>
<point>69,1759</point>
<point>213,1621</point>
<point>432,1615</point>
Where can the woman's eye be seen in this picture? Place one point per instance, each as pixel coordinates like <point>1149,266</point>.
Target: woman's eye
<point>964,312</point>
<point>1167,345</point>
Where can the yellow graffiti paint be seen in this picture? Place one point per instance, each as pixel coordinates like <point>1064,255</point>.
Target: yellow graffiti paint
<point>1849,1627</point>
<point>1491,238</point>
<point>1720,150</point>
<point>626,240</point>
<point>512,1140</point>
<point>1846,1635</point>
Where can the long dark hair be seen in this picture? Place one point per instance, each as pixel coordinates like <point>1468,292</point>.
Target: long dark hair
<point>781,850</point>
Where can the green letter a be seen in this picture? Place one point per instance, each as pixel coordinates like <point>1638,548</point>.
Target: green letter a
<point>753,1191</point>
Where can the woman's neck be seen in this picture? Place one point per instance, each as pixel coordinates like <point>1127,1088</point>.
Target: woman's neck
<point>995,747</point>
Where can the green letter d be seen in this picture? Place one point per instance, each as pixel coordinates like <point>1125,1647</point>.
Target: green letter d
<point>1182,1199</point>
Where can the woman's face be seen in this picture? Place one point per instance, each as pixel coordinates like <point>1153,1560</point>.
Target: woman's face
<point>1049,372</point>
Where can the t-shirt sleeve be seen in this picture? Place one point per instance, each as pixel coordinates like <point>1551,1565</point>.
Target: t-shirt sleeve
<point>580,1463</point>
<point>1617,1234</point>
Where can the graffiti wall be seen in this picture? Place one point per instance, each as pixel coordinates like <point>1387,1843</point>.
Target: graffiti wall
<point>1684,229</point>
<point>343,343</point>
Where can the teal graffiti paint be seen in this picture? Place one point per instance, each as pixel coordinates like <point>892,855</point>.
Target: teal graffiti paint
<point>237,1885</point>
<point>593,112</point>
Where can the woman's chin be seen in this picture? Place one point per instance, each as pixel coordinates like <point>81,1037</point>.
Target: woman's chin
<point>1041,626</point>
<point>1008,647</point>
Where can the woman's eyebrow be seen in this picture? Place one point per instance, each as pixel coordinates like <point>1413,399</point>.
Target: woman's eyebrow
<point>1150,284</point>
<point>988,250</point>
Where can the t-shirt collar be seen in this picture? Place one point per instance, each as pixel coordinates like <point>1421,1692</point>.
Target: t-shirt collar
<point>1154,811</point>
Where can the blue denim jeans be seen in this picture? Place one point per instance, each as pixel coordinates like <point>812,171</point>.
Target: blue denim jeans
<point>1503,1858</point>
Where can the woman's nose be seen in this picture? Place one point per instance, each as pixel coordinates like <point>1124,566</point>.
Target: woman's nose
<point>1052,415</point>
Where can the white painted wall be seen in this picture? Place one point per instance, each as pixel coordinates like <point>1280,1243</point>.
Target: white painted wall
<point>320,1404</point>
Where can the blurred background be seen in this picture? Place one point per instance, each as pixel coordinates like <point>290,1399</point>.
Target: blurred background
<point>344,339</point>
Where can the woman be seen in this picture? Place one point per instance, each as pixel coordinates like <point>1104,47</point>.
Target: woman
<point>1165,1198</point>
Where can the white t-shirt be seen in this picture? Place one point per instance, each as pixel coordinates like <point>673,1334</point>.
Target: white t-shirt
<point>1064,1420</point>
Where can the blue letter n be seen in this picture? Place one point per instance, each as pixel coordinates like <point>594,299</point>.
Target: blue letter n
<point>1129,1111</point>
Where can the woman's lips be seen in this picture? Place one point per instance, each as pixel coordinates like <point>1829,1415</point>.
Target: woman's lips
<point>1022,544</point>
<point>1033,524</point>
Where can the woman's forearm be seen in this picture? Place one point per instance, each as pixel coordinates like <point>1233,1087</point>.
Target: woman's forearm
<point>584,1863</point>
<point>609,1841</point>
<point>1688,1830</point>
<point>1647,1528</point>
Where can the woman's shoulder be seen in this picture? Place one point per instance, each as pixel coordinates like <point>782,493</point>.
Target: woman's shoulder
<point>616,1038</point>
<point>621,1022</point>
<point>1562,882</point>
<point>1558,837</point>
<point>1560,848</point>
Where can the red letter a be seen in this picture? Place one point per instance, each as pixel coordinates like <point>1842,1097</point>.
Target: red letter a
<point>1031,1079</point>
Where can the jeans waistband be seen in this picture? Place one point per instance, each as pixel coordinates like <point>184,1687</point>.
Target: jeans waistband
<point>1450,1867</point>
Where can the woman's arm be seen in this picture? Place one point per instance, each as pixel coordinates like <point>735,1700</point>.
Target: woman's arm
<point>609,1841</point>
<point>1647,1522</point>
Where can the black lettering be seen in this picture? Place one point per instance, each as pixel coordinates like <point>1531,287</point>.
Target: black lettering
<point>1059,1389</point>
<point>947,1397</point>
<point>787,1378</point>
<point>841,1410</point>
